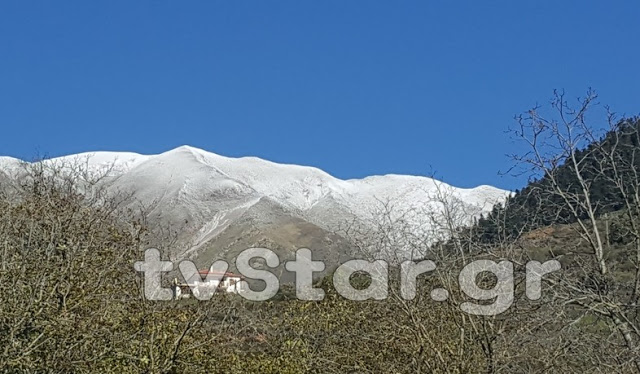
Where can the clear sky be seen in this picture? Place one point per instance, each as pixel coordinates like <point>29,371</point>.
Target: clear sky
<point>353,87</point>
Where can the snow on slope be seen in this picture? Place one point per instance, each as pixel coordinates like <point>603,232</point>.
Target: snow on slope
<point>209,192</point>
<point>9,164</point>
<point>114,162</point>
<point>302,187</point>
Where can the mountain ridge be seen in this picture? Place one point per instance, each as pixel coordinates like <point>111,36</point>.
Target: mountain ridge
<point>201,194</point>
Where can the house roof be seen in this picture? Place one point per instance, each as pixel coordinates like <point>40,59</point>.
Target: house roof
<point>225,274</point>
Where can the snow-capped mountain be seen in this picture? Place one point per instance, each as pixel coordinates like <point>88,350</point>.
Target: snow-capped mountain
<point>214,203</point>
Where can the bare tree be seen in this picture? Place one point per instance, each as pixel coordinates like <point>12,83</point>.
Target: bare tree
<point>566,144</point>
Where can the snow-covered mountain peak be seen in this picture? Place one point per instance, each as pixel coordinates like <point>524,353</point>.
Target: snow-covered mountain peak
<point>102,161</point>
<point>210,192</point>
<point>300,187</point>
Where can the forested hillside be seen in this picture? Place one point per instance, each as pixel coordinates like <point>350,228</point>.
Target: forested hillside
<point>607,166</point>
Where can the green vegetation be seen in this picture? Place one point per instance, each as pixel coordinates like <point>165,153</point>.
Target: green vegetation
<point>534,206</point>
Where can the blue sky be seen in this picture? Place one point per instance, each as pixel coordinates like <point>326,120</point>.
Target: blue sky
<point>353,87</point>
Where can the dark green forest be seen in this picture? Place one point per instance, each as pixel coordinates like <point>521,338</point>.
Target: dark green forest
<point>534,206</point>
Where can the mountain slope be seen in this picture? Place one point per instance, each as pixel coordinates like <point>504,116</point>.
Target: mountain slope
<point>204,197</point>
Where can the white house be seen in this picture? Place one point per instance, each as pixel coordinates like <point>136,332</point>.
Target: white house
<point>220,282</point>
